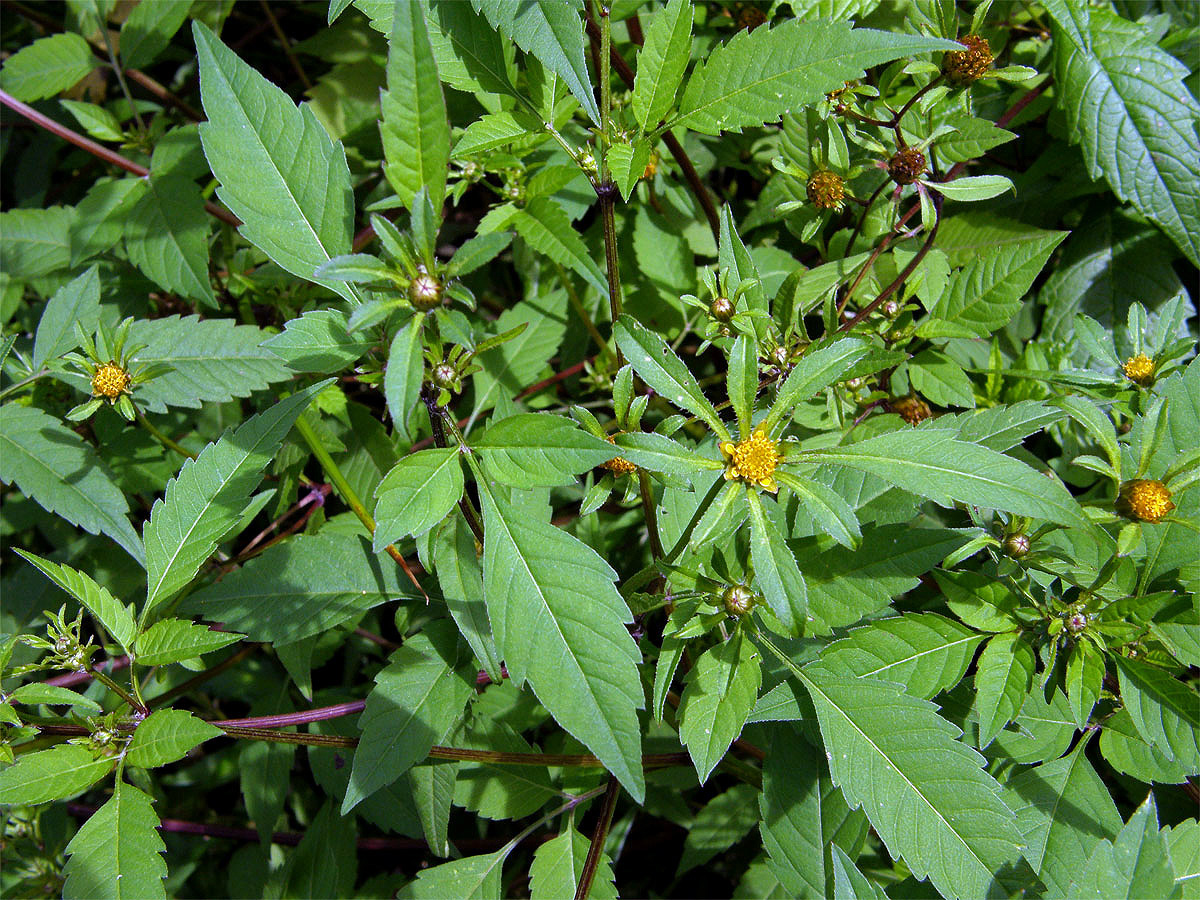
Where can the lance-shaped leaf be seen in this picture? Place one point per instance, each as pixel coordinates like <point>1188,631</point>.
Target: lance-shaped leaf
<point>759,75</point>
<point>461,578</point>
<point>1003,677</point>
<point>560,623</point>
<point>417,494</point>
<point>55,467</point>
<point>848,881</point>
<point>205,501</point>
<point>1165,711</point>
<point>538,449</point>
<point>929,464</point>
<point>415,132</point>
<point>548,229</point>
<point>775,567</point>
<point>417,700</point>
<point>76,301</point>
<point>1135,864</point>
<point>470,878</point>
<point>662,370</point>
<point>558,865</point>
<point>659,453</point>
<point>721,690</point>
<point>816,371</point>
<point>828,509</point>
<point>742,381</point>
<point>111,612</point>
<point>661,63</point>
<point>167,735</point>
<point>166,236</point>
<point>280,171</point>
<point>552,31</point>
<point>174,640</point>
<point>116,853</point>
<point>925,792</point>
<point>62,771</point>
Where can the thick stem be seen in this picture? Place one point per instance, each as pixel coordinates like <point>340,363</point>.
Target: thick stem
<point>599,835</point>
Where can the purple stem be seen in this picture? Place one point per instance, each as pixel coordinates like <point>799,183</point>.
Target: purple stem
<point>298,718</point>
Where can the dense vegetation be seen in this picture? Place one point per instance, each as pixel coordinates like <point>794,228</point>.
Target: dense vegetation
<point>491,449</point>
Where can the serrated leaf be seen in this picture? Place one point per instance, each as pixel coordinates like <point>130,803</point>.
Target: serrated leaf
<point>721,689</point>
<point>325,863</point>
<point>1063,811</point>
<point>661,63</point>
<point>461,578</point>
<point>1084,679</point>
<point>433,795</point>
<point>209,360</point>
<point>560,623</point>
<point>924,653</point>
<point>55,467</point>
<point>100,218</point>
<point>507,369</point>
<point>35,694</point>
<point>552,31</point>
<point>417,494</point>
<point>665,372</point>
<point>828,509</point>
<point>775,568</point>
<point>547,228</point>
<point>204,502</point>
<point>36,241</point>
<point>166,236</point>
<point>1134,865</point>
<point>1125,750</point>
<point>558,864</point>
<point>114,615</point>
<point>848,881</point>
<point>925,792</point>
<point>414,128</point>
<point>174,640</point>
<point>149,29</point>
<point>77,301</point>
<point>302,587</point>
<point>470,878</point>
<point>1128,107</point>
<point>117,852</point>
<point>721,822</point>
<point>279,170</point>
<point>538,449</point>
<point>45,775</point>
<point>927,463</point>
<point>416,702</point>
<point>1003,677</point>
<point>318,341</point>
<point>488,132</point>
<point>404,372</point>
<point>940,380</point>
<point>167,735</point>
<point>817,370</point>
<point>759,75</point>
<point>470,54</point>
<point>1164,710</point>
<point>47,66</point>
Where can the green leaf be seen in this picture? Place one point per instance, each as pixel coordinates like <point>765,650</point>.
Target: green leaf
<point>560,623</point>
<point>318,341</point>
<point>47,66</point>
<point>1164,710</point>
<point>36,694</point>
<point>44,775</point>
<point>477,252</point>
<point>470,878</point>
<point>1183,842</point>
<point>325,863</point>
<point>166,237</point>
<point>1085,677</point>
<point>304,586</point>
<point>759,75</point>
<point>117,852</point>
<point>55,467</point>
<point>538,449</point>
<point>1003,677</point>
<point>924,653</point>
<point>999,428</point>
<point>661,63</point>
<point>490,131</point>
<point>547,228</point>
<point>114,615</point>
<point>828,509</point>
<point>1063,811</point>
<point>558,864</point>
<point>924,791</point>
<point>775,567</point>
<point>1128,107</point>
<point>742,381</point>
<point>721,822</point>
<point>664,372</point>
<point>167,735</point>
<point>721,689</point>
<point>279,170</point>
<point>209,360</point>
<point>36,241</point>
<point>974,187</point>
<point>1134,865</point>
<point>417,701</point>
<point>1126,751</point>
<point>433,794</point>
<point>204,502</point>
<point>405,369</point>
<point>552,31</point>
<point>100,218</point>
<point>415,131</point>
<point>659,453</point>
<point>817,370</point>
<point>940,379</point>
<point>417,494</point>
<point>470,54</point>
<point>461,578</point>
<point>509,368</point>
<point>926,463</point>
<point>77,301</point>
<point>987,292</point>
<point>149,29</point>
<point>174,640</point>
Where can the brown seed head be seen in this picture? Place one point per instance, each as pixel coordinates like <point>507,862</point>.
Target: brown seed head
<point>110,381</point>
<point>1144,500</point>
<point>825,189</point>
<point>906,165</point>
<point>912,409</point>
<point>962,67</point>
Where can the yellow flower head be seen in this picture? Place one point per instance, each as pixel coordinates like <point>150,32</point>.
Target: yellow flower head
<point>825,189</point>
<point>1140,370</point>
<point>752,460</point>
<point>1144,500</point>
<point>110,381</point>
<point>618,465</point>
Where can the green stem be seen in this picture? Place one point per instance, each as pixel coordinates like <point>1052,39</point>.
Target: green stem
<point>334,474</point>
<point>108,682</point>
<point>160,437</point>
<point>648,509</point>
<point>13,388</point>
<point>638,579</point>
<point>112,58</point>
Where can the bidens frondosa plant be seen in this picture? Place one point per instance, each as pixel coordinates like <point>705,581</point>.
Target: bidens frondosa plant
<point>558,449</point>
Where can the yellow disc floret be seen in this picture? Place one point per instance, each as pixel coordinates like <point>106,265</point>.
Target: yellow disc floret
<point>619,465</point>
<point>110,381</point>
<point>1140,370</point>
<point>1144,500</point>
<point>825,189</point>
<point>752,460</point>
